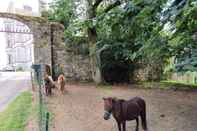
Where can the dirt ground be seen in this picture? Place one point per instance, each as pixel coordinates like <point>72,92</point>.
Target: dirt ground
<point>81,108</point>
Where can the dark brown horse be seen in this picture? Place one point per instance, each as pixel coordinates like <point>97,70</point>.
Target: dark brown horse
<point>123,111</point>
<point>48,82</point>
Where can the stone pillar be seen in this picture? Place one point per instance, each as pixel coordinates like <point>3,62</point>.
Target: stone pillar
<point>42,45</point>
<point>75,67</point>
<point>58,47</point>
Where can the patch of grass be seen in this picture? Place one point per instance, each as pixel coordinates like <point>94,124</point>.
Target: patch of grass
<point>168,84</point>
<point>148,85</point>
<point>107,89</point>
<point>14,118</point>
<point>179,84</point>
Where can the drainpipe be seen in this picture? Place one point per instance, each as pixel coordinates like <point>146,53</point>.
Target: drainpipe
<point>52,53</point>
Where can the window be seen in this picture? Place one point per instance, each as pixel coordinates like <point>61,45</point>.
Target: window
<point>8,43</point>
<point>9,59</point>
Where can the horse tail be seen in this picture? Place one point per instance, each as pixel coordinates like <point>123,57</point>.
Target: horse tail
<point>143,116</point>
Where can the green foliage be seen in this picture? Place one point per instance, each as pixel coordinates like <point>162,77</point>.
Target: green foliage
<point>132,31</point>
<point>20,69</point>
<point>149,30</point>
<point>182,41</point>
<point>62,11</point>
<point>78,45</point>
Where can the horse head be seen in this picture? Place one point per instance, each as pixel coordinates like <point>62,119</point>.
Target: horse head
<point>108,107</point>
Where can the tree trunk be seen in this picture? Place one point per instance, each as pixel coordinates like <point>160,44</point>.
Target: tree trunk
<point>94,59</point>
<point>92,38</point>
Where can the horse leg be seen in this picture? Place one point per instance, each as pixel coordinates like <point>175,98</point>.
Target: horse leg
<point>137,124</point>
<point>62,89</point>
<point>119,126</point>
<point>50,90</point>
<point>124,125</point>
<point>46,90</point>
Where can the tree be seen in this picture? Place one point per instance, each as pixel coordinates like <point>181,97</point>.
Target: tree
<point>92,7</point>
<point>62,11</point>
<point>131,30</point>
<point>182,17</point>
<point>124,26</point>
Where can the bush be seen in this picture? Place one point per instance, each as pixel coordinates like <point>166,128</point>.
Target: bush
<point>19,69</point>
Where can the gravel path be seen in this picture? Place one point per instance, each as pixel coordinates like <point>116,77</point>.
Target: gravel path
<point>81,109</point>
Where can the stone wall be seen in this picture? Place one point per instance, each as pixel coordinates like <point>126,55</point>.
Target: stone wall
<point>58,46</point>
<point>146,72</point>
<point>76,67</point>
<point>42,44</point>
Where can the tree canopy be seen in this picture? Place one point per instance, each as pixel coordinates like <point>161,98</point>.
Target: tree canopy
<point>133,30</point>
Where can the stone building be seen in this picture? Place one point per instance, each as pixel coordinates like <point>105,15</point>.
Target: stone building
<point>43,6</point>
<point>19,46</point>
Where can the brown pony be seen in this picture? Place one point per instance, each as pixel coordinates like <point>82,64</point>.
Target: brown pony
<point>61,82</point>
<point>123,111</point>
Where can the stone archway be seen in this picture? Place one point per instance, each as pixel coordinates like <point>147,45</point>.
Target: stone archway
<point>48,38</point>
<point>40,29</point>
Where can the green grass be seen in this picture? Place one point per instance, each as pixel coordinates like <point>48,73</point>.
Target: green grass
<point>168,84</point>
<point>107,89</point>
<point>178,84</point>
<point>14,118</point>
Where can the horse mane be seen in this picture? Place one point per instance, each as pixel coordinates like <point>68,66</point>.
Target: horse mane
<point>122,100</point>
<point>46,78</point>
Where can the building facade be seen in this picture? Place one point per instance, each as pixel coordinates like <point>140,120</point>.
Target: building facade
<point>19,46</point>
<point>42,6</point>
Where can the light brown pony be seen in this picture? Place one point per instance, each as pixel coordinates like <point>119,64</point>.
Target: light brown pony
<point>61,82</point>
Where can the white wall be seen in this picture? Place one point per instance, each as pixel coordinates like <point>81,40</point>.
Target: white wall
<point>19,4</point>
<point>3,56</point>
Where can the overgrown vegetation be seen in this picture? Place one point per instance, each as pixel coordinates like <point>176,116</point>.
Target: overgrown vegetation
<point>14,118</point>
<point>128,31</point>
